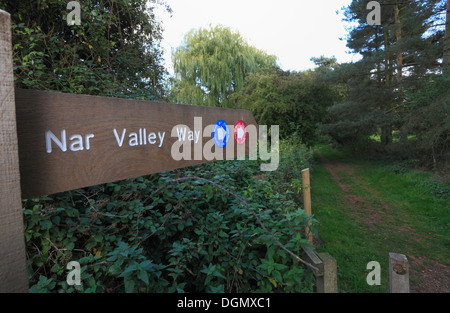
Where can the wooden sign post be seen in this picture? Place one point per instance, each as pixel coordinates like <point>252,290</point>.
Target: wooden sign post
<point>13,271</point>
<point>61,142</point>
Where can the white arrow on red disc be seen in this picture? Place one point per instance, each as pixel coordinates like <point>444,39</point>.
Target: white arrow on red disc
<point>240,132</point>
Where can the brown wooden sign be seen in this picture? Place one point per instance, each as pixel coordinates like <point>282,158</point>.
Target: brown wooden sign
<point>69,141</point>
<point>53,142</point>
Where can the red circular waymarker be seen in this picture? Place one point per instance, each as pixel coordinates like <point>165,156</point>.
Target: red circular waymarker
<point>240,132</point>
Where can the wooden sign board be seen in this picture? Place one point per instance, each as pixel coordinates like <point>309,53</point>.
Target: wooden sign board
<point>53,142</point>
<point>69,141</point>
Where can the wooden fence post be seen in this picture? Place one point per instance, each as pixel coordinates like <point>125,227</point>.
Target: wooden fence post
<point>326,274</point>
<point>329,284</point>
<point>13,270</point>
<point>307,201</point>
<point>398,273</point>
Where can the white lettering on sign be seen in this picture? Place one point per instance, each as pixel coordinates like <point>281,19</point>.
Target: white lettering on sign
<point>181,148</point>
<point>181,133</point>
<point>119,141</point>
<point>76,141</point>
<point>139,138</point>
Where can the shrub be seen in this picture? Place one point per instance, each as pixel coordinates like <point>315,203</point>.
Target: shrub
<point>154,234</point>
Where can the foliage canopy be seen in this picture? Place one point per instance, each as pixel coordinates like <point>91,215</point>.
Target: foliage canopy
<point>296,102</point>
<point>114,52</point>
<point>212,64</point>
<point>402,64</point>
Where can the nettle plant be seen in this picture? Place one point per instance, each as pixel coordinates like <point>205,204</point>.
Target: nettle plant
<point>172,232</point>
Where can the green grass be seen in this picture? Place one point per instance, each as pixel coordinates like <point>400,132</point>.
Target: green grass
<point>416,222</point>
<point>415,205</point>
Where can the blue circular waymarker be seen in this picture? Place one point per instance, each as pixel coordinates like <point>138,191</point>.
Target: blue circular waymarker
<point>221,133</point>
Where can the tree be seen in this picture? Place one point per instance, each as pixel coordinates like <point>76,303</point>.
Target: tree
<point>397,56</point>
<point>295,101</point>
<point>211,64</point>
<point>115,51</point>
<point>427,119</point>
<point>325,63</point>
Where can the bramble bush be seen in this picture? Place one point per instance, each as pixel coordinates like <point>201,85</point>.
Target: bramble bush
<point>154,234</point>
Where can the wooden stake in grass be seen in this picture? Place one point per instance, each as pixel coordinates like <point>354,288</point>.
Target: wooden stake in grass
<point>307,201</point>
<point>398,273</point>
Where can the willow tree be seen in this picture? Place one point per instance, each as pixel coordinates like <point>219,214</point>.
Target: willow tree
<point>212,63</point>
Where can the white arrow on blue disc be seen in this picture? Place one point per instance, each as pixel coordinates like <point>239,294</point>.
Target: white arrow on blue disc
<point>221,133</point>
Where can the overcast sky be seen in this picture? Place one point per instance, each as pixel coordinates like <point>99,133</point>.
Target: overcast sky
<point>292,30</point>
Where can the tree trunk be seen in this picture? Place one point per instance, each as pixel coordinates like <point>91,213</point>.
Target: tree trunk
<point>386,130</point>
<point>386,135</point>
<point>398,33</point>
<point>446,57</point>
<point>387,59</point>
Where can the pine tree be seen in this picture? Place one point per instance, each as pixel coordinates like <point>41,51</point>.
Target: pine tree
<point>397,56</point>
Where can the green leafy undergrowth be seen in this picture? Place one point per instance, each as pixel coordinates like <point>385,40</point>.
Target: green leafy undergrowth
<point>151,234</point>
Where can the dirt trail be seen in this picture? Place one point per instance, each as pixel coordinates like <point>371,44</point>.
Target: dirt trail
<point>432,277</point>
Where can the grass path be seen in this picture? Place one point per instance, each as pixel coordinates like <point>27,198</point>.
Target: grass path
<point>366,211</point>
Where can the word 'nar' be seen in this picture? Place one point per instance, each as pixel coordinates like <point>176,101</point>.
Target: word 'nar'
<point>76,141</point>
